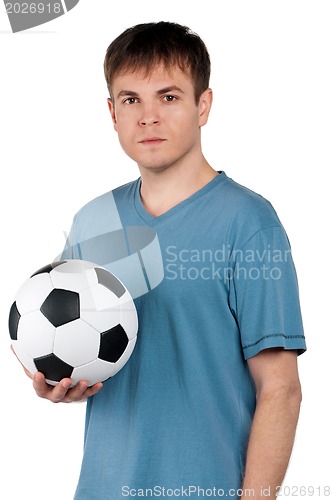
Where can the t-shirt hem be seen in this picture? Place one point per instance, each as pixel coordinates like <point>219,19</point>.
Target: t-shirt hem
<point>287,342</point>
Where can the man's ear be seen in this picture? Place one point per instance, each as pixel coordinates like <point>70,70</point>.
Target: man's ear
<point>204,106</point>
<point>112,111</point>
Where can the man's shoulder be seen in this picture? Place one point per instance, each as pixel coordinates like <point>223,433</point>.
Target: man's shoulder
<point>247,208</point>
<point>242,196</point>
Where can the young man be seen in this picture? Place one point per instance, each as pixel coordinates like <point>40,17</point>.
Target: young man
<point>209,401</point>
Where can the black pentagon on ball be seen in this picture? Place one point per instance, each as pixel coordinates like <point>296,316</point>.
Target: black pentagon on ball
<point>110,281</point>
<point>53,367</point>
<point>61,307</point>
<point>113,343</point>
<point>14,318</point>
<point>48,268</point>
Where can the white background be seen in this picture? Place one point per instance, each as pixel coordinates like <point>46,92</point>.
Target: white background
<point>270,129</point>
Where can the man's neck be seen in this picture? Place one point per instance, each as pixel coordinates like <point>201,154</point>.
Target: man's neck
<point>163,190</point>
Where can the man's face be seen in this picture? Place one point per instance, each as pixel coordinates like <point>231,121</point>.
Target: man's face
<point>156,117</point>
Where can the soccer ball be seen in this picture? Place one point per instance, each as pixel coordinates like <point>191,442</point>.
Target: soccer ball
<point>73,319</point>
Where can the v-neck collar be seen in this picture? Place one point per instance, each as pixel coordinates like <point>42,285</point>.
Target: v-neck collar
<point>152,220</point>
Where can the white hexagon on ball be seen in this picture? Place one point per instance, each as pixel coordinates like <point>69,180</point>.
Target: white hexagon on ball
<point>33,293</point>
<point>36,334</point>
<point>76,343</point>
<point>96,371</point>
<point>78,276</point>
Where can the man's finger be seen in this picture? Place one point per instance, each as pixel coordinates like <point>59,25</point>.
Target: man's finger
<point>44,390</point>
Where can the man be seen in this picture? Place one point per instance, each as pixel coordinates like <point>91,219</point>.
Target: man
<point>209,401</point>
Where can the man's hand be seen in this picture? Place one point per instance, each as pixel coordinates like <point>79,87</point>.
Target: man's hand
<point>62,392</point>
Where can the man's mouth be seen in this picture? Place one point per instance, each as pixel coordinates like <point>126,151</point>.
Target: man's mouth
<point>152,141</point>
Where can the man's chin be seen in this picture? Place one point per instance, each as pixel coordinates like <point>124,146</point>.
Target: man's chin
<point>154,167</point>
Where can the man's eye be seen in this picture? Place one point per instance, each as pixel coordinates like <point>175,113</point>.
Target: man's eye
<point>130,100</point>
<point>169,98</point>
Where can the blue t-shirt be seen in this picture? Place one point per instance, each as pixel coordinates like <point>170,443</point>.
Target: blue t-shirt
<point>176,419</point>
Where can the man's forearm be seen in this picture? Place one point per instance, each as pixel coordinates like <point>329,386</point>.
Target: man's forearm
<point>271,442</point>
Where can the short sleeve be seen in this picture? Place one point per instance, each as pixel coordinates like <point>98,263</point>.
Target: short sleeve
<point>264,295</point>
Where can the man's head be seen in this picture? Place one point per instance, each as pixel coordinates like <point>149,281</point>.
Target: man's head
<point>145,46</point>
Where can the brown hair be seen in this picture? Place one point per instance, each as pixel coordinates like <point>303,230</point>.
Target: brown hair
<point>142,47</point>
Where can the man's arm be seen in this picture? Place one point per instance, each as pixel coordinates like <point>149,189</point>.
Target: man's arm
<point>278,395</point>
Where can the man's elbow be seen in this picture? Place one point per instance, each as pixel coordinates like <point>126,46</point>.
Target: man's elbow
<point>295,396</point>
<point>288,393</point>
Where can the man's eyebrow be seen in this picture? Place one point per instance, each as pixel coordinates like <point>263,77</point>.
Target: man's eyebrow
<point>165,90</point>
<point>129,93</point>
<point>171,88</point>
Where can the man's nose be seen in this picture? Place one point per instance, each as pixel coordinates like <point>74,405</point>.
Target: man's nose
<point>150,115</point>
